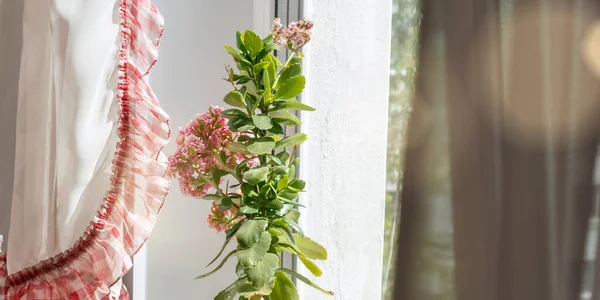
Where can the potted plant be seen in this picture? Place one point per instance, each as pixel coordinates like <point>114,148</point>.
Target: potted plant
<point>240,159</point>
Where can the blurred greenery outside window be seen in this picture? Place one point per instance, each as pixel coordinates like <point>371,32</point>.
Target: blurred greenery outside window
<point>403,65</point>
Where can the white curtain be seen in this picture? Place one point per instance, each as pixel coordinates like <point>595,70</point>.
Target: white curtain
<point>65,125</point>
<point>89,169</point>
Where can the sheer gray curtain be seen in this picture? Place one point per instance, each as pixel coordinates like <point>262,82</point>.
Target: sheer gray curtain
<point>11,31</point>
<point>506,93</point>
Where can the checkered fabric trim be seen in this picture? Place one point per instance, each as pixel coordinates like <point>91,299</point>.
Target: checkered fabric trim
<point>94,266</point>
<point>117,292</point>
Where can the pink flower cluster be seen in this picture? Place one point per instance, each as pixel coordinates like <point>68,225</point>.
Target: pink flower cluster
<point>221,220</point>
<point>198,146</point>
<point>293,37</point>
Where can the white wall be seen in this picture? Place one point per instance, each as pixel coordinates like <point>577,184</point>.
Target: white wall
<point>187,79</point>
<point>347,70</point>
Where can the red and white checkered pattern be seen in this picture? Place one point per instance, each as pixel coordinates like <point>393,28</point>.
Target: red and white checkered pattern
<point>94,266</point>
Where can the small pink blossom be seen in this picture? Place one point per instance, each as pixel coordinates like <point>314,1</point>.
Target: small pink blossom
<point>295,36</point>
<point>198,146</point>
<point>221,220</point>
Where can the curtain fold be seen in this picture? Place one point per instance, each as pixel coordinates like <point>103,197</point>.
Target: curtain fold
<point>519,109</point>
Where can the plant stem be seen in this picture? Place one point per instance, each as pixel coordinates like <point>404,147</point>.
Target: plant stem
<point>284,66</point>
<point>292,156</point>
<point>230,171</point>
<point>215,185</point>
<point>289,60</point>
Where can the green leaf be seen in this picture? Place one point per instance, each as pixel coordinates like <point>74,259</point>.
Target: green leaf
<point>239,270</point>
<point>288,246</point>
<point>236,56</point>
<point>241,61</point>
<point>247,210</point>
<point>284,288</point>
<point>211,197</point>
<point>231,73</point>
<point>289,72</point>
<point>260,66</point>
<point>285,118</point>
<point>266,51</point>
<point>305,280</point>
<point>248,291</point>
<point>264,190</point>
<point>271,46</point>
<point>296,162</point>
<point>236,147</point>
<point>283,156</point>
<point>290,202</point>
<point>279,222</point>
<point>293,215</point>
<point>253,43</point>
<point>226,203</point>
<point>230,233</point>
<point>274,233</point>
<point>284,228</point>
<point>291,248</point>
<point>254,176</point>
<point>247,188</point>
<point>276,161</point>
<point>292,172</point>
<point>295,226</point>
<point>251,88</point>
<point>275,63</point>
<point>278,105</point>
<point>297,185</point>
<point>231,51</point>
<point>296,60</point>
<point>251,231</point>
<point>291,88</point>
<point>233,112</point>
<point>243,80</point>
<point>292,140</point>
<point>310,248</point>
<point>262,122</point>
<point>275,204</point>
<point>267,94</point>
<point>311,266</point>
<point>294,105</point>
<point>219,266</point>
<point>251,256</point>
<point>261,146</point>
<point>243,138</point>
<point>222,157</point>
<point>282,170</point>
<point>217,174</point>
<point>240,124</point>
<point>268,39</point>
<point>276,129</point>
<point>263,271</point>
<point>276,59</point>
<point>239,38</point>
<point>283,182</point>
<point>288,194</point>
<point>242,66</point>
<point>235,98</point>
<point>231,291</point>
